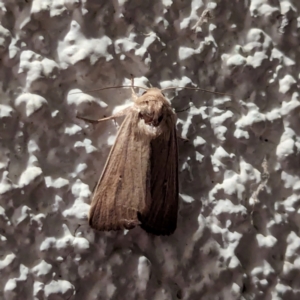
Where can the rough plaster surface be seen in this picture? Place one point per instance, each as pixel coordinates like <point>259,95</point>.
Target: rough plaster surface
<point>238,230</point>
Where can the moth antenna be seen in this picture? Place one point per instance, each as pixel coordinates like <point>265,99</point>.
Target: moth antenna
<point>109,88</point>
<point>192,88</point>
<point>182,110</point>
<point>206,14</point>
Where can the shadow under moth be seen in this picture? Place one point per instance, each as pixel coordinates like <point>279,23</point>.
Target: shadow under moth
<point>139,182</point>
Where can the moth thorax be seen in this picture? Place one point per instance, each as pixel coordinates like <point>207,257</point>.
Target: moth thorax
<point>149,129</point>
<point>151,118</point>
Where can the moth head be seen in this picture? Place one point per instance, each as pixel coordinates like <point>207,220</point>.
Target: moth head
<point>154,92</point>
<point>154,112</point>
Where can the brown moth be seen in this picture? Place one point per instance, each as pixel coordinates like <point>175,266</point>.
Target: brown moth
<point>139,183</point>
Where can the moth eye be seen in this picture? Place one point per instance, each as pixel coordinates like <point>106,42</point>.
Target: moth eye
<point>160,118</point>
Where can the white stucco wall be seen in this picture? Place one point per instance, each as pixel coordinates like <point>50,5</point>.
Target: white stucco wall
<point>238,226</point>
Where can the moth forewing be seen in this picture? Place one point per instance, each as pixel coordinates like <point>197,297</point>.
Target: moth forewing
<point>139,183</point>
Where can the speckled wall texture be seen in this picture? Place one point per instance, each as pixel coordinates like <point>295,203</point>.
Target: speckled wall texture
<point>238,223</point>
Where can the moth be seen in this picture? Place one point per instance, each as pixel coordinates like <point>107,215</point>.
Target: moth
<point>139,182</point>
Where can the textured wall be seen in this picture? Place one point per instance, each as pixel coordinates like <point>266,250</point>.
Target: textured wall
<point>238,228</point>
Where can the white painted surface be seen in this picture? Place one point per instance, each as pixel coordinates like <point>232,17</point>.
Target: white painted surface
<point>238,228</point>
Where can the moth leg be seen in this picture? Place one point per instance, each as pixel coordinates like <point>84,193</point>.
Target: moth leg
<point>121,113</point>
